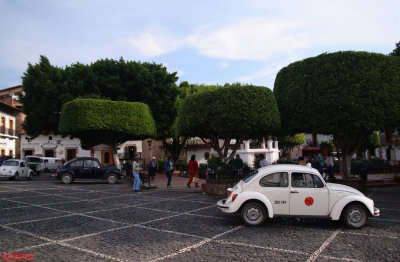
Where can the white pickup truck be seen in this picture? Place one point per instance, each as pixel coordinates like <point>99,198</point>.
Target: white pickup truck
<point>294,190</point>
<point>15,169</point>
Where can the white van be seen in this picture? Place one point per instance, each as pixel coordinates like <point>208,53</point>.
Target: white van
<point>43,164</point>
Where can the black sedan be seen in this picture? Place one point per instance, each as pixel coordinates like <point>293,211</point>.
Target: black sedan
<point>87,168</point>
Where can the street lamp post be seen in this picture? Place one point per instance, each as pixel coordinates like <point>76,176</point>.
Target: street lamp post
<point>149,142</point>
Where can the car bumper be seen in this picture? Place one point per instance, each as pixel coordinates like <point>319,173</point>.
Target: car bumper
<point>221,204</point>
<point>6,175</point>
<point>54,175</point>
<point>377,212</point>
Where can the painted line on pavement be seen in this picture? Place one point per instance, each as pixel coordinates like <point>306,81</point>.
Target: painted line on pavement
<point>315,255</point>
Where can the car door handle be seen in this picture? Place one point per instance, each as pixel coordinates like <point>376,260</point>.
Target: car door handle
<point>294,192</point>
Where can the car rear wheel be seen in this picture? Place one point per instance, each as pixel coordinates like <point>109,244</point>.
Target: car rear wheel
<point>355,216</point>
<point>29,177</point>
<point>66,178</point>
<point>112,178</point>
<point>253,214</point>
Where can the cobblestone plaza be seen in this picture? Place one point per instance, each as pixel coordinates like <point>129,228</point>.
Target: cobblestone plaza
<point>101,222</point>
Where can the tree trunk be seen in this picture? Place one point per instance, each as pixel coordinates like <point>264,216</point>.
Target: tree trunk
<point>345,165</point>
<point>117,164</point>
<point>222,151</point>
<point>175,148</point>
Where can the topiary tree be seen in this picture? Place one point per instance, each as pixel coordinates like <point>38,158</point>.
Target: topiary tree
<point>327,146</point>
<point>290,141</point>
<point>97,121</point>
<point>229,113</point>
<point>344,94</point>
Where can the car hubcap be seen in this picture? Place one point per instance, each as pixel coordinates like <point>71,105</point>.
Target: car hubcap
<point>253,214</point>
<point>66,179</point>
<point>111,179</point>
<point>355,216</point>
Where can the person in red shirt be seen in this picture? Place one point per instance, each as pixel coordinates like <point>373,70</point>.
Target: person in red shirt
<point>193,171</point>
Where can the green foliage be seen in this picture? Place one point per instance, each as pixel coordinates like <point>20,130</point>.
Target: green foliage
<point>371,165</point>
<point>223,171</point>
<point>345,94</point>
<point>233,111</point>
<point>339,93</point>
<point>396,51</point>
<point>328,145</point>
<point>291,141</point>
<point>43,104</point>
<point>116,80</point>
<point>102,121</point>
<point>256,162</point>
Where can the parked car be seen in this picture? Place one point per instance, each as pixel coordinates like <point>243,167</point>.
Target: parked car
<point>15,169</point>
<point>294,190</point>
<point>34,163</point>
<point>43,164</point>
<point>86,168</point>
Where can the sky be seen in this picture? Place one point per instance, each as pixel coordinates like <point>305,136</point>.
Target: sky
<point>204,41</point>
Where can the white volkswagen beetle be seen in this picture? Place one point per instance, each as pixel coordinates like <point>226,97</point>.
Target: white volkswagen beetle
<point>294,190</point>
<point>15,169</point>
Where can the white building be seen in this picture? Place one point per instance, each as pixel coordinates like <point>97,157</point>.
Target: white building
<point>8,134</point>
<point>65,148</point>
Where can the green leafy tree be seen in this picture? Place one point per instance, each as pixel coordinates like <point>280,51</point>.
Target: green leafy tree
<point>344,94</point>
<point>42,100</point>
<point>97,121</point>
<point>288,142</point>
<point>327,145</point>
<point>396,51</point>
<point>48,87</point>
<point>232,112</point>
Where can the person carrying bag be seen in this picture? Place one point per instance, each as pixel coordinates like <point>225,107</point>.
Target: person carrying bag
<point>193,167</point>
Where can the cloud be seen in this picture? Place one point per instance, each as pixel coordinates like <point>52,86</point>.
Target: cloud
<point>153,44</point>
<point>250,39</point>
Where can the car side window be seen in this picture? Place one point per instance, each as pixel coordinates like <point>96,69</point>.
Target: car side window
<point>77,163</point>
<point>91,163</point>
<point>275,180</point>
<point>317,182</point>
<point>306,180</point>
<point>22,164</point>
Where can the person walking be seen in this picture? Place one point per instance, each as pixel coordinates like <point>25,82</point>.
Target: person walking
<point>330,167</point>
<point>169,170</point>
<point>193,171</point>
<point>136,169</point>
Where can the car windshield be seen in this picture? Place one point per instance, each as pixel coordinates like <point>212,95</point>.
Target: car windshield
<point>250,176</point>
<point>33,159</point>
<point>10,163</point>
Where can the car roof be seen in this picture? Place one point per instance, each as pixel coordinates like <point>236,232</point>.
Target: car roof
<point>13,159</point>
<point>287,168</point>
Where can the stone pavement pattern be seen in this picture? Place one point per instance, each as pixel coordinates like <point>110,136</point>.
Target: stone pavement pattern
<point>93,221</point>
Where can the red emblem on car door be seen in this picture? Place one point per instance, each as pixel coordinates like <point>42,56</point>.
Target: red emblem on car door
<point>309,201</point>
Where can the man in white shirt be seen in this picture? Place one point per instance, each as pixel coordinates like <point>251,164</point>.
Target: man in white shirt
<point>263,161</point>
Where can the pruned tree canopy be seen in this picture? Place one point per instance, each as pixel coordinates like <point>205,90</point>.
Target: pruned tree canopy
<point>229,112</point>
<point>97,121</point>
<point>344,94</point>
<point>48,87</point>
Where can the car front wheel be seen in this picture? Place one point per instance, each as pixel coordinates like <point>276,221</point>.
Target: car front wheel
<point>355,216</point>
<point>16,176</point>
<point>253,214</point>
<point>66,178</point>
<point>112,178</point>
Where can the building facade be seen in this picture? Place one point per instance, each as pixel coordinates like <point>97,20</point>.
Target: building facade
<point>8,133</point>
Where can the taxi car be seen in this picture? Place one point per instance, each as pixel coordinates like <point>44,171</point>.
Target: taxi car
<point>294,190</point>
<point>15,169</point>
